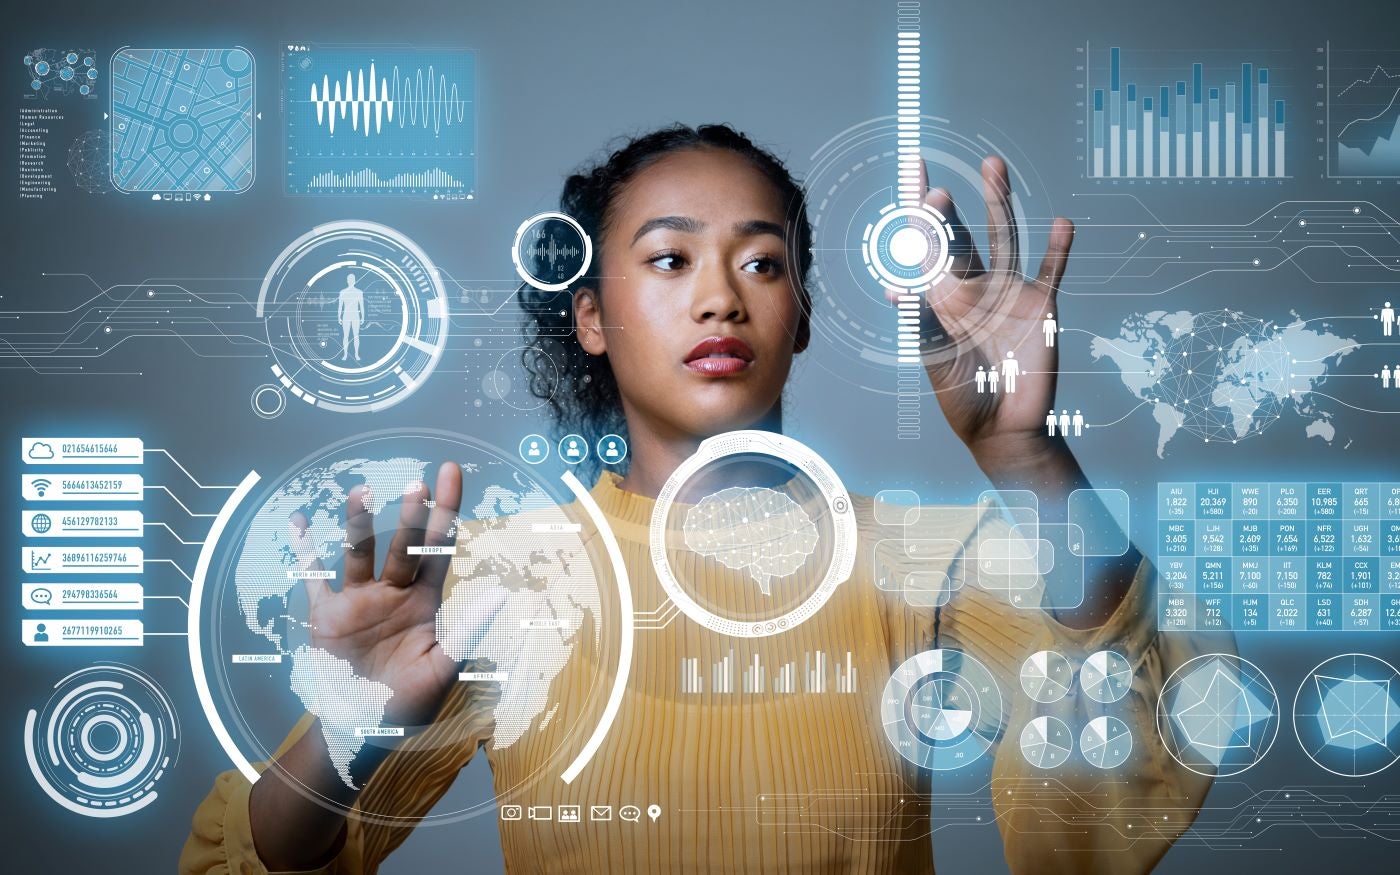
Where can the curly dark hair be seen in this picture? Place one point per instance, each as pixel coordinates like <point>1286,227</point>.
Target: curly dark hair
<point>580,388</point>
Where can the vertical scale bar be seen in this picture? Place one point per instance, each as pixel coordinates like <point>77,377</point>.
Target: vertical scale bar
<point>1279,169</point>
<point>1147,137</point>
<point>1098,132</point>
<point>1115,110</point>
<point>1132,118</point>
<point>910,303</point>
<point>1213,134</point>
<point>1262,129</point>
<point>1164,133</point>
<point>1230,131</point>
<point>1198,155</point>
<point>1246,120</point>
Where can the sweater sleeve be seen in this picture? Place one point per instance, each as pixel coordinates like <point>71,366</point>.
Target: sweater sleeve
<point>1086,819</point>
<point>405,787</point>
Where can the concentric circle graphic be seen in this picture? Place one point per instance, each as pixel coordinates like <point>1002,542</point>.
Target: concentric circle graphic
<point>356,316</point>
<point>551,251</point>
<point>102,742</point>
<point>865,243</point>
<point>941,709</point>
<point>789,452</point>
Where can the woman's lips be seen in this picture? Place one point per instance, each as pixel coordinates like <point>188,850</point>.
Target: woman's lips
<point>720,357</point>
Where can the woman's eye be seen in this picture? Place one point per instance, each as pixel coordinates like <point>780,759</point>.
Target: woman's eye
<point>763,266</point>
<point>667,261</point>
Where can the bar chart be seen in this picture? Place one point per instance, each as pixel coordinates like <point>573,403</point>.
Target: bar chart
<point>1214,122</point>
<point>819,673</point>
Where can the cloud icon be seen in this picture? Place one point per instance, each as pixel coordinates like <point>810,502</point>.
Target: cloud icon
<point>40,450</point>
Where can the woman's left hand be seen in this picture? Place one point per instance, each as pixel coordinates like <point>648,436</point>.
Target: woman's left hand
<point>979,314</point>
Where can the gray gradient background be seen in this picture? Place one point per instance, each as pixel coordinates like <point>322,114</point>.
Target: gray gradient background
<point>557,80</point>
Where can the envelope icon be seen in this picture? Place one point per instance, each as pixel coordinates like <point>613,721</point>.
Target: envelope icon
<point>600,812</point>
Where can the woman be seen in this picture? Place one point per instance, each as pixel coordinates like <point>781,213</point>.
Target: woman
<point>689,330</point>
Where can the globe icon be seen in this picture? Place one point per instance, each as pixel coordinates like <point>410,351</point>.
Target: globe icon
<point>41,523</point>
<point>1227,375</point>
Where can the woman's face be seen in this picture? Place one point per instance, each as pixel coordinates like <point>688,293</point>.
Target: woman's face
<point>699,313</point>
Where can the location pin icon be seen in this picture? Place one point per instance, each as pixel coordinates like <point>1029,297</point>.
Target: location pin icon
<point>654,812</point>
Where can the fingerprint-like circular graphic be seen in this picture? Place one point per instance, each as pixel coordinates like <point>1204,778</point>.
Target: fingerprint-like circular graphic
<point>102,742</point>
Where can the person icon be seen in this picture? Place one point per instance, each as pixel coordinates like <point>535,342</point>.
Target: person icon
<point>1010,369</point>
<point>610,451</point>
<point>571,449</point>
<point>1387,319</point>
<point>533,449</point>
<point>350,313</point>
<point>1385,377</point>
<point>1050,327</point>
<point>993,380</point>
<point>1064,423</point>
<point>1078,423</point>
<point>41,635</point>
<point>1050,423</point>
<point>981,379</point>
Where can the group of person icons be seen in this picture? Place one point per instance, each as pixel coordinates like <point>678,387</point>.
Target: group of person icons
<point>1390,377</point>
<point>573,449</point>
<point>1387,317</point>
<point>1066,423</point>
<point>991,379</point>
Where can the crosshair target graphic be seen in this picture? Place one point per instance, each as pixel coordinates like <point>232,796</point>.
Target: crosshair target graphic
<point>104,739</point>
<point>356,316</point>
<point>909,247</point>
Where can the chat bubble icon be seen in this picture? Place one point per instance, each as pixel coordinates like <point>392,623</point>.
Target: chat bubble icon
<point>41,596</point>
<point>630,813</point>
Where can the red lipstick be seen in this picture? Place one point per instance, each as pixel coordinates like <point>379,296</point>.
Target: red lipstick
<point>720,357</point>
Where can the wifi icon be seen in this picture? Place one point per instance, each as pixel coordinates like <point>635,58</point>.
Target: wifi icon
<point>41,486</point>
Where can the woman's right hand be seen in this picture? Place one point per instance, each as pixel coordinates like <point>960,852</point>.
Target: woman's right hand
<point>385,625</point>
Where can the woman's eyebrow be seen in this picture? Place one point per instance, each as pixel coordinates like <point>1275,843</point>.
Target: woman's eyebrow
<point>674,223</point>
<point>756,227</point>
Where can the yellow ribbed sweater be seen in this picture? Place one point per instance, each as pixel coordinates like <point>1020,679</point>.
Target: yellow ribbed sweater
<point>801,782</point>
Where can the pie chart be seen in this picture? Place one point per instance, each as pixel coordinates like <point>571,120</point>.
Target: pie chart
<point>1046,742</point>
<point>1106,676</point>
<point>936,711</point>
<point>1106,742</point>
<point>941,709</point>
<point>1046,676</point>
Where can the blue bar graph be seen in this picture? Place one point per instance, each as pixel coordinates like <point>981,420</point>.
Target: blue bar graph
<point>1197,135</point>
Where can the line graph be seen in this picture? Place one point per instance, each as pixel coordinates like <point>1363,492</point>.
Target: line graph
<point>385,120</point>
<point>1363,113</point>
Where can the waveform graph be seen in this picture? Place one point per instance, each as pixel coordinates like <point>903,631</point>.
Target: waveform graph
<point>380,120</point>
<point>1363,113</point>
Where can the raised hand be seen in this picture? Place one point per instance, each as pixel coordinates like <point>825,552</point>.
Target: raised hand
<point>384,624</point>
<point>980,313</point>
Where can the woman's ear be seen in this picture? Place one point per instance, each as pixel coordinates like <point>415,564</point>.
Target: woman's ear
<point>588,321</point>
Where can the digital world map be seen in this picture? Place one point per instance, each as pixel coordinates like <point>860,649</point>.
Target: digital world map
<point>512,537</point>
<point>1223,375</point>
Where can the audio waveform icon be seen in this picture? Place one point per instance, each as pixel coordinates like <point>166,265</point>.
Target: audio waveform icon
<point>553,251</point>
<point>423,99</point>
